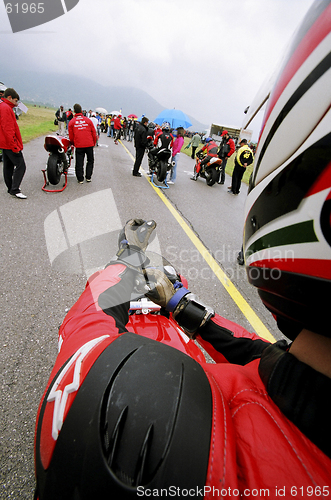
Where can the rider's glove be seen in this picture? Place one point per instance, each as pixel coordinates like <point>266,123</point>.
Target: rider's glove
<point>133,241</point>
<point>187,310</point>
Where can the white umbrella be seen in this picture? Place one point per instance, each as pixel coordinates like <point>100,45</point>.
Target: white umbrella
<point>115,113</point>
<point>103,111</point>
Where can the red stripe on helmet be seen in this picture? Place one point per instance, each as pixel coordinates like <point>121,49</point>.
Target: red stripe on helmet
<point>319,268</point>
<point>322,182</point>
<point>320,29</point>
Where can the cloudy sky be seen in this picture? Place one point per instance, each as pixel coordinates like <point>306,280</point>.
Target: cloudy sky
<point>206,57</point>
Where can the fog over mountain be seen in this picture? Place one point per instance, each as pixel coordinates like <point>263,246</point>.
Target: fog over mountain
<point>55,89</point>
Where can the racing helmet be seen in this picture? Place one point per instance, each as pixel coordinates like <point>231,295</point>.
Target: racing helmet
<point>287,234</point>
<point>2,87</point>
<point>165,126</point>
<point>111,442</point>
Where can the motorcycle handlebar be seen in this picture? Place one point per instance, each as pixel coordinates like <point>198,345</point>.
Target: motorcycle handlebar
<point>144,304</point>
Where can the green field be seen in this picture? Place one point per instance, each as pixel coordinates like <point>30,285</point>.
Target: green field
<point>39,120</point>
<point>230,163</point>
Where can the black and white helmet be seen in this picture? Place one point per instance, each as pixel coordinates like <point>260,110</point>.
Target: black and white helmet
<point>287,239</point>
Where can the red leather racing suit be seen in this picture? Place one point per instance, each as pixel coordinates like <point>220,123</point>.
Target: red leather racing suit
<point>255,450</point>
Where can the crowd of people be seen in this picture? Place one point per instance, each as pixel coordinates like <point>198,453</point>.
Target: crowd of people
<point>84,129</point>
<point>145,132</point>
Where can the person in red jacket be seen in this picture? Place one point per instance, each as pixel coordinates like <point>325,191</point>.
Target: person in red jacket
<point>11,144</point>
<point>117,128</point>
<point>226,149</point>
<point>83,136</point>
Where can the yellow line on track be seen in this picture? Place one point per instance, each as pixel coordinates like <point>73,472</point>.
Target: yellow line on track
<point>236,296</point>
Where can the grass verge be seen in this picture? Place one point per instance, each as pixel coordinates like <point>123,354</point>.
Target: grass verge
<point>230,163</point>
<point>39,120</point>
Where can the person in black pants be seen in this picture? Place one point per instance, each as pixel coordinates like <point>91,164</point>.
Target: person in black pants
<point>226,149</point>
<point>11,144</point>
<point>83,136</point>
<point>140,143</point>
<point>244,157</point>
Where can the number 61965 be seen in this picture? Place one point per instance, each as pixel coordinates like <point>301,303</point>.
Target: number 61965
<point>25,8</point>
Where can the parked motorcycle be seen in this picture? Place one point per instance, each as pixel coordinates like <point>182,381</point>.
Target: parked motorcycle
<point>60,155</point>
<point>209,171</point>
<point>159,160</point>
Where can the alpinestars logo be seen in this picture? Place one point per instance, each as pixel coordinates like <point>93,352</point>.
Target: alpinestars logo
<point>24,14</point>
<point>62,388</point>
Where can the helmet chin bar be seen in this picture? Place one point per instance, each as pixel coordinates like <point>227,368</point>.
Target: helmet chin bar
<point>294,299</point>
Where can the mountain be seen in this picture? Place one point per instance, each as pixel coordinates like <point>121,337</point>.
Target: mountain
<point>54,89</point>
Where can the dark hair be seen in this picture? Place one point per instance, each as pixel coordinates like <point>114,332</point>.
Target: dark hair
<point>12,93</point>
<point>243,141</point>
<point>77,108</point>
<point>180,131</point>
<point>144,120</point>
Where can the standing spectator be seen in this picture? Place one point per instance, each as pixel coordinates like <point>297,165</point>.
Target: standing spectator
<point>176,148</point>
<point>61,118</point>
<point>226,149</point>
<point>124,129</point>
<point>112,118</point>
<point>112,130</point>
<point>99,118</point>
<point>140,143</point>
<point>117,128</point>
<point>69,116</point>
<point>108,121</point>
<point>2,89</point>
<point>95,122</point>
<point>157,130</point>
<point>83,136</point>
<point>131,126</point>
<point>194,143</point>
<point>11,144</point>
<point>244,157</point>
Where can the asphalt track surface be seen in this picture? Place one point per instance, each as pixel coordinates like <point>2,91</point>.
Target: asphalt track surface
<point>51,242</point>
